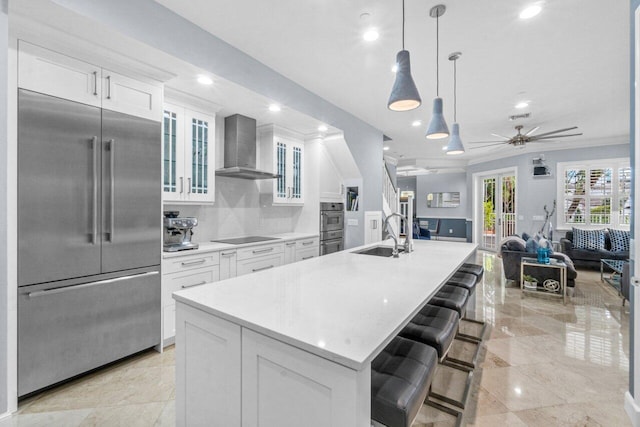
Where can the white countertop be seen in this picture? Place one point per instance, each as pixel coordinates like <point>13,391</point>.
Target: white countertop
<point>216,246</point>
<point>344,307</point>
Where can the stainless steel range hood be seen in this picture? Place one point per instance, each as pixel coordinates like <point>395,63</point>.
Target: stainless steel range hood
<point>240,149</point>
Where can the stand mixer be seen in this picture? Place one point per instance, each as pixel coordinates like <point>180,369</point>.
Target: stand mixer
<point>178,232</point>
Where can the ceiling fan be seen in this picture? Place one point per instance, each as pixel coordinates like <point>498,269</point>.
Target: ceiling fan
<point>520,139</point>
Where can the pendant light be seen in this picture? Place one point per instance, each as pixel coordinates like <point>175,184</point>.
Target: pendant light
<point>455,143</point>
<point>437,128</point>
<point>404,95</point>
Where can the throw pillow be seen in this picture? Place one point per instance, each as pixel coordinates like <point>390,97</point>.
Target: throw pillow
<point>619,240</point>
<point>532,245</point>
<point>588,239</point>
<point>511,243</point>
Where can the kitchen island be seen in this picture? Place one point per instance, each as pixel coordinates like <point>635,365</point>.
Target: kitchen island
<point>293,345</point>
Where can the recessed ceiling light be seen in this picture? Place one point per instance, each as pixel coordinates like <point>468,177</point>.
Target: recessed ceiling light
<point>371,35</point>
<point>521,105</point>
<point>204,80</point>
<point>385,148</point>
<point>416,123</point>
<point>530,11</point>
<point>323,128</point>
<point>274,107</point>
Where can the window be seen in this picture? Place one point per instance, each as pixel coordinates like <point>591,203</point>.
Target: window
<point>594,194</point>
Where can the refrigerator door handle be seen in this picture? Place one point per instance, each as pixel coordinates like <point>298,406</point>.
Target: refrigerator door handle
<point>112,197</point>
<point>88,285</point>
<point>94,231</point>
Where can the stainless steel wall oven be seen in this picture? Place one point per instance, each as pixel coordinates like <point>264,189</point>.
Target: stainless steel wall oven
<point>331,227</point>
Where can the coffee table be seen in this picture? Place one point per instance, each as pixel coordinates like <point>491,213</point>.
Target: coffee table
<point>614,278</point>
<point>554,264</point>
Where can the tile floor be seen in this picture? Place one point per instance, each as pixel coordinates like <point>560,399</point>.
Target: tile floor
<point>541,364</point>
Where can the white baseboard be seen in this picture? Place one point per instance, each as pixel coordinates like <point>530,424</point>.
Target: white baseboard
<point>5,415</point>
<point>632,409</point>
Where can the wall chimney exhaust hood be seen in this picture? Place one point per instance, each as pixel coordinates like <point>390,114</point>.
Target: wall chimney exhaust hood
<point>240,149</point>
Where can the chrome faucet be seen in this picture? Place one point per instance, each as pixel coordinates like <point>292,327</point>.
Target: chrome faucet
<point>407,244</point>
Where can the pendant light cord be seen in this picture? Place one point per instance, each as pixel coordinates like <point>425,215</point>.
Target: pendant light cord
<point>455,119</point>
<point>402,24</point>
<point>437,53</point>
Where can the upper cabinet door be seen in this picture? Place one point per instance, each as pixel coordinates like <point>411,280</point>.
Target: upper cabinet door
<point>51,73</point>
<point>188,155</point>
<point>288,160</point>
<point>126,95</point>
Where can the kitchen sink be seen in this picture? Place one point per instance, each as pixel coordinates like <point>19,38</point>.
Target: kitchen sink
<point>384,251</point>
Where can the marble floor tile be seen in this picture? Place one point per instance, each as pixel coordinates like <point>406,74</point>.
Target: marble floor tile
<point>72,418</point>
<point>494,420</point>
<point>141,415</point>
<point>581,414</point>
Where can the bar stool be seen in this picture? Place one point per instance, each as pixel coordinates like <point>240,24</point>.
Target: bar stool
<point>475,269</point>
<point>464,280</point>
<point>401,376</point>
<point>452,297</point>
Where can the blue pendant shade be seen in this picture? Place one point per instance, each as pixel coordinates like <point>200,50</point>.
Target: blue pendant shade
<point>437,128</point>
<point>455,143</point>
<point>404,95</point>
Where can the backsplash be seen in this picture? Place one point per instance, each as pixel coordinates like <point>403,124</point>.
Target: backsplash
<point>239,210</point>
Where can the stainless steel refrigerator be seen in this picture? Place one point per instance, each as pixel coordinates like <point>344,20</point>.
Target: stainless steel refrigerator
<point>89,238</point>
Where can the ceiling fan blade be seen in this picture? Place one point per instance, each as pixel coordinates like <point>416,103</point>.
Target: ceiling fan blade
<point>532,131</point>
<point>536,138</point>
<point>490,145</point>
<point>485,142</point>
<point>506,138</point>
<point>556,131</point>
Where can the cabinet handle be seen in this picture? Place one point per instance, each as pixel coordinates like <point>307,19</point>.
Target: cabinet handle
<point>307,243</point>
<point>291,243</point>
<point>199,261</point>
<point>112,189</point>
<point>263,268</point>
<point>307,257</point>
<point>375,223</point>
<point>227,253</point>
<point>108,87</point>
<point>181,185</point>
<point>261,251</point>
<point>189,185</point>
<point>94,232</point>
<point>195,284</point>
<point>95,83</point>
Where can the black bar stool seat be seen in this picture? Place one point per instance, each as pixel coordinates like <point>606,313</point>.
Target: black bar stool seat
<point>401,376</point>
<point>463,280</point>
<point>475,269</point>
<point>453,297</point>
<point>435,326</point>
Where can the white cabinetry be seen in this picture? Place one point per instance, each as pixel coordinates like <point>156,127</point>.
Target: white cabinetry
<point>188,149</point>
<point>289,252</point>
<point>283,151</point>
<point>228,260</point>
<point>258,258</point>
<point>307,248</point>
<point>52,73</point>
<point>180,273</point>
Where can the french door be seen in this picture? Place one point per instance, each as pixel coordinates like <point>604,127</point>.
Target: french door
<point>497,209</point>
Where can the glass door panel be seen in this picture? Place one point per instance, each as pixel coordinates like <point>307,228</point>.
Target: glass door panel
<point>297,173</point>
<point>488,240</point>
<point>498,218</point>
<point>281,167</point>
<point>199,156</point>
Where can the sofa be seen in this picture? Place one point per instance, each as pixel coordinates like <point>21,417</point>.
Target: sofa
<point>513,249</point>
<point>590,258</point>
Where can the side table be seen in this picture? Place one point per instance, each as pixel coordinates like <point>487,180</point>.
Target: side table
<point>553,264</point>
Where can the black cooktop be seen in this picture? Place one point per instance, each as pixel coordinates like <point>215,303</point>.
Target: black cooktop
<point>248,239</point>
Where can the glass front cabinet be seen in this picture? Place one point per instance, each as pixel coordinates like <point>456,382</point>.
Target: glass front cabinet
<point>284,151</point>
<point>188,147</point>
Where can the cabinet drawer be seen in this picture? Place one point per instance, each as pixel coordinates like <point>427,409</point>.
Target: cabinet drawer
<point>311,252</point>
<point>307,243</point>
<point>260,250</point>
<point>260,263</point>
<point>184,263</point>
<point>182,280</point>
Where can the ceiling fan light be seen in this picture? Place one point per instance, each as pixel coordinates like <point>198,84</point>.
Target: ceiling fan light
<point>437,128</point>
<point>404,95</point>
<point>455,143</point>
